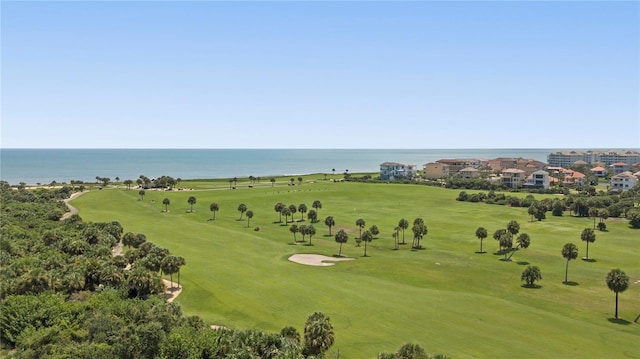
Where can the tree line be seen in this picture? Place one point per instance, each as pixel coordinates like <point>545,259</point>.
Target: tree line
<point>597,206</point>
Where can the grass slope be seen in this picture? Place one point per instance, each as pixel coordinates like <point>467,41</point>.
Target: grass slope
<point>446,297</point>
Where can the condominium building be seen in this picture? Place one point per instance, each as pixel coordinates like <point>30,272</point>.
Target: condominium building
<point>607,157</point>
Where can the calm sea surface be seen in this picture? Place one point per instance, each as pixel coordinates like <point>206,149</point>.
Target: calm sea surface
<point>34,166</point>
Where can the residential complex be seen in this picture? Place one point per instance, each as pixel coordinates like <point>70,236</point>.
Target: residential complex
<point>530,173</point>
<point>568,158</point>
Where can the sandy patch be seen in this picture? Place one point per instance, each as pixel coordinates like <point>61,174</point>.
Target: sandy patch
<point>171,293</point>
<point>316,259</point>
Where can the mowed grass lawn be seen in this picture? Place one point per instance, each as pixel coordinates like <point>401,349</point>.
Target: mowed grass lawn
<point>446,297</point>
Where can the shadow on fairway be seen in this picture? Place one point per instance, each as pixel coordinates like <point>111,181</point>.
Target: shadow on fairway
<point>481,252</point>
<point>522,263</point>
<point>590,260</point>
<point>618,321</point>
<point>535,286</point>
<point>571,283</point>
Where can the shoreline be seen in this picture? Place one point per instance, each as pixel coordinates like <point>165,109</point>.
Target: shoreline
<point>45,165</point>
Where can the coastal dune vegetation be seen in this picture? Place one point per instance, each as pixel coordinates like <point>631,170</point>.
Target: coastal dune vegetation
<point>442,295</point>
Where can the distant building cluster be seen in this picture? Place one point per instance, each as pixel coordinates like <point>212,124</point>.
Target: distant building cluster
<point>607,158</point>
<point>621,167</point>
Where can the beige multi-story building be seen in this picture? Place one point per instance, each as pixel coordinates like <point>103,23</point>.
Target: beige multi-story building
<point>469,172</point>
<point>528,165</point>
<point>456,164</point>
<point>513,177</point>
<point>620,167</point>
<point>435,170</point>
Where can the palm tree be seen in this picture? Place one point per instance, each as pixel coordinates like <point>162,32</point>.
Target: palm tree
<point>303,230</point>
<point>593,212</point>
<point>374,230</point>
<point>169,265</point>
<point>278,208</point>
<point>569,252</point>
<point>513,227</point>
<point>318,334</point>
<point>341,237</point>
<point>419,230</point>
<point>396,237</point>
<point>292,180</point>
<point>481,233</point>
<point>299,180</point>
<point>317,205</point>
<point>180,261</point>
<point>242,208</point>
<point>523,240</point>
<point>302,208</point>
<point>499,233</point>
<point>286,212</point>
<point>213,207</point>
<point>311,231</point>
<point>366,236</point>
<point>141,193</point>
<point>166,202</point>
<point>506,243</point>
<point>192,201</point>
<point>530,275</point>
<point>273,181</point>
<point>618,282</point>
<point>294,229</point>
<point>329,222</point>
<point>249,216</point>
<point>360,223</point>
<point>128,183</point>
<point>293,209</point>
<point>403,224</point>
<point>589,236</point>
<point>313,216</point>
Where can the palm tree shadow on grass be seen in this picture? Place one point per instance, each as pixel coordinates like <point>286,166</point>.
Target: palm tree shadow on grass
<point>590,260</point>
<point>618,321</point>
<point>571,283</point>
<point>522,263</point>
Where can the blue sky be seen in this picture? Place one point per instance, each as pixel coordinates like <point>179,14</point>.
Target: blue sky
<point>320,74</point>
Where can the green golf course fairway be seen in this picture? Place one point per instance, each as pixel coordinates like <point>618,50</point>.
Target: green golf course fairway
<point>446,297</point>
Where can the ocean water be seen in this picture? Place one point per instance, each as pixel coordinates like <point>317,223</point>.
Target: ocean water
<point>34,166</point>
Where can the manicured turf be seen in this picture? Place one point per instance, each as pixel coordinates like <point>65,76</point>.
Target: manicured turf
<point>446,297</point>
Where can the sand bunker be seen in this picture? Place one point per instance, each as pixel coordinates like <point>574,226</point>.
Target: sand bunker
<point>316,259</point>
